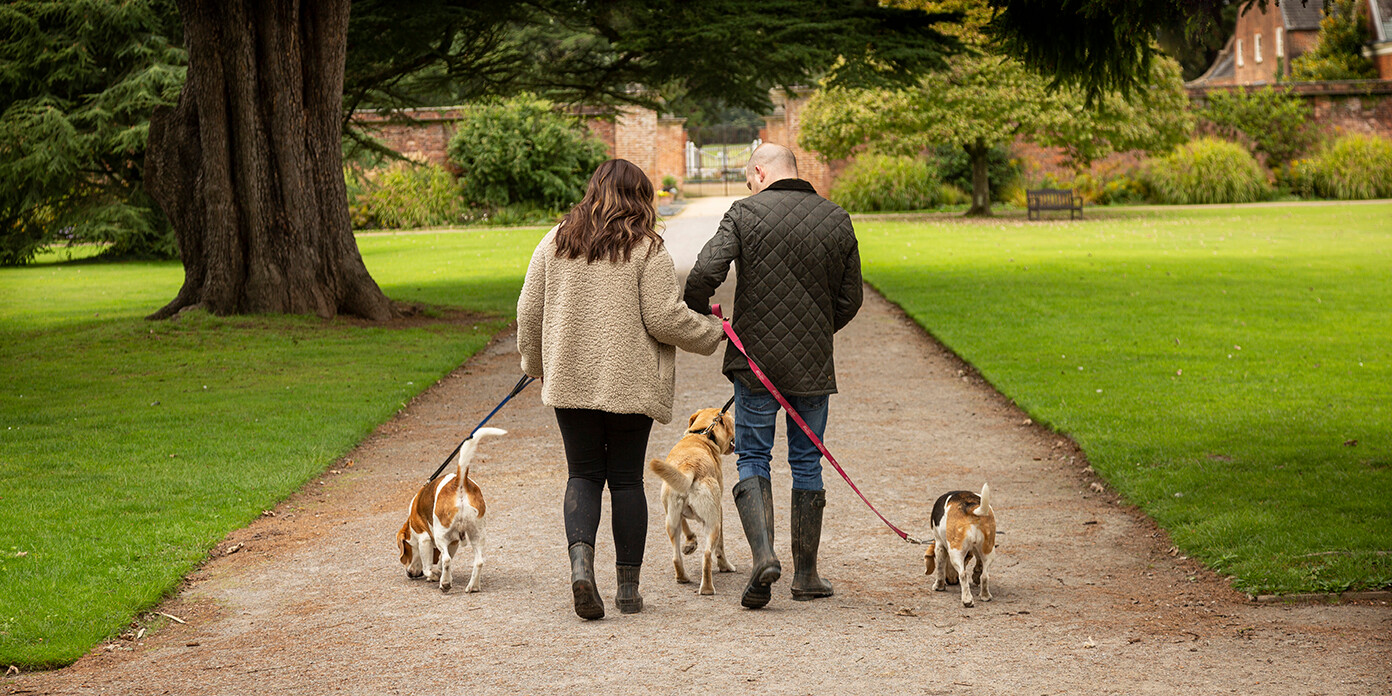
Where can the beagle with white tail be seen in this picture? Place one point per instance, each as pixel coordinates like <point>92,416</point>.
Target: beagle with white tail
<point>964,542</point>
<point>444,513</point>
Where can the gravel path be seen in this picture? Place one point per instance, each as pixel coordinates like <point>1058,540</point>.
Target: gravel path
<point>1088,600</point>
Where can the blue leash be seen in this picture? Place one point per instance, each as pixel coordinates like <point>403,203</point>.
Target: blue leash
<point>521,384</point>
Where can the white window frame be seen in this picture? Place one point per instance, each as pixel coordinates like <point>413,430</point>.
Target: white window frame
<point>1239,54</point>
<point>1256,48</point>
<point>1280,42</point>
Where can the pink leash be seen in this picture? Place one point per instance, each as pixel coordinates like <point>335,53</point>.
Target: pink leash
<point>797,418</point>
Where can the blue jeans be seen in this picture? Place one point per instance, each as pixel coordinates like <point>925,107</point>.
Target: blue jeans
<point>755,418</point>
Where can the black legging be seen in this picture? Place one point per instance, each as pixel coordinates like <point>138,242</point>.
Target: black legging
<point>601,448</point>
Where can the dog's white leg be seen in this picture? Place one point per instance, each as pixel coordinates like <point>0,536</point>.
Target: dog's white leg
<point>986,576</point>
<point>476,540</point>
<point>427,554</point>
<point>940,564</point>
<point>963,567</point>
<point>675,525</point>
<point>704,502</point>
<point>446,555</point>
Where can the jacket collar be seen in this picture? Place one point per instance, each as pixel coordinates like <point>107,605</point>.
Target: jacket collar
<point>790,185</point>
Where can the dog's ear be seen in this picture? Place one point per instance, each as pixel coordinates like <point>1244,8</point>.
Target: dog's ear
<point>406,550</point>
<point>694,416</point>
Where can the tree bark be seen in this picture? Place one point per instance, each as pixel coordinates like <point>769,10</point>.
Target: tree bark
<point>981,185</point>
<point>248,165</point>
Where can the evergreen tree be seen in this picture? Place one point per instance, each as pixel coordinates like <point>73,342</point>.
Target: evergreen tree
<point>78,79</point>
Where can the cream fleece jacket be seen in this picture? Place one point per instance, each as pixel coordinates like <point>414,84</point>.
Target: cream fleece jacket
<point>602,334</point>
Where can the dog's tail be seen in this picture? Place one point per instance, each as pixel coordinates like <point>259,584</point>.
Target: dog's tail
<point>466,451</point>
<point>985,507</point>
<point>679,482</point>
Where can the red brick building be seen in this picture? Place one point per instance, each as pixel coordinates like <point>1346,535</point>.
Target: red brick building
<point>1268,37</point>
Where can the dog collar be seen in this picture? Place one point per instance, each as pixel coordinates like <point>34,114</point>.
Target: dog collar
<point>706,431</point>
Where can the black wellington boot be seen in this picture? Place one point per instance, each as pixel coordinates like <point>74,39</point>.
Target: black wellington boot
<point>628,599</point>
<point>588,605</point>
<point>754,500</point>
<point>807,537</point>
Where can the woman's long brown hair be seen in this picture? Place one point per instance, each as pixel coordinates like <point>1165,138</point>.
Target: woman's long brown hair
<point>614,216</point>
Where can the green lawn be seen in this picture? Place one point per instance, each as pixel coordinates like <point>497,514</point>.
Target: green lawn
<point>129,448</point>
<point>1229,370</point>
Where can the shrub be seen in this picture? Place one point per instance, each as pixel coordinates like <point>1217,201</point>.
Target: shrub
<point>403,196</point>
<point>1208,170</point>
<point>1274,122</point>
<point>1108,188</point>
<point>521,151</point>
<point>1353,167</point>
<point>1298,177</point>
<point>884,183</point>
<point>951,195</point>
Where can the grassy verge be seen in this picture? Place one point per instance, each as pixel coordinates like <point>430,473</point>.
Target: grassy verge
<point>1227,370</point>
<point>129,448</point>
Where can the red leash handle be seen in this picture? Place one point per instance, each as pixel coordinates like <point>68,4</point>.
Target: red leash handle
<point>797,418</point>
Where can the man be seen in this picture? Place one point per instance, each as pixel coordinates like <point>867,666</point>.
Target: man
<point>798,282</point>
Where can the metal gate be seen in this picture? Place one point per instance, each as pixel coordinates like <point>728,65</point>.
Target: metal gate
<point>717,170</point>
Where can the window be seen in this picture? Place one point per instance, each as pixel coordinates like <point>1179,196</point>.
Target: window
<point>1280,42</point>
<point>1256,48</point>
<point>1239,53</point>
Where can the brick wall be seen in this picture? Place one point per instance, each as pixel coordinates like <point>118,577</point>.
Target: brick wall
<point>426,140</point>
<point>657,145</point>
<point>783,127</point>
<point>1358,106</point>
<point>671,151</point>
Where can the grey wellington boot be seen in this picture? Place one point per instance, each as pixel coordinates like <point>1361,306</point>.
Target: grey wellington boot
<point>628,599</point>
<point>588,605</point>
<point>754,500</point>
<point>807,537</point>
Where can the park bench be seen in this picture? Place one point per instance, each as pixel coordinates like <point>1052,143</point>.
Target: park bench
<point>1052,199</point>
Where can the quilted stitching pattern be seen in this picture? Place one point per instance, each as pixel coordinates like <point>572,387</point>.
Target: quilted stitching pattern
<point>798,283</point>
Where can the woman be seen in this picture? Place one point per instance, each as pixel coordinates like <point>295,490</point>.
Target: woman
<point>598,319</point>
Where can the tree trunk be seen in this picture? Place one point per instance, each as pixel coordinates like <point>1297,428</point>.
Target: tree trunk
<point>248,164</point>
<point>981,185</point>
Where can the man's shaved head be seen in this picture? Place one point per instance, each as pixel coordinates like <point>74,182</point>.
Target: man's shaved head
<point>768,164</point>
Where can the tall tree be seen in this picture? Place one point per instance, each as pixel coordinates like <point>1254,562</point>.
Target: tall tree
<point>248,167</point>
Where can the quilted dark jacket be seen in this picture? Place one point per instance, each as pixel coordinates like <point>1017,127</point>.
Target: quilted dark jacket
<point>797,283</point>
